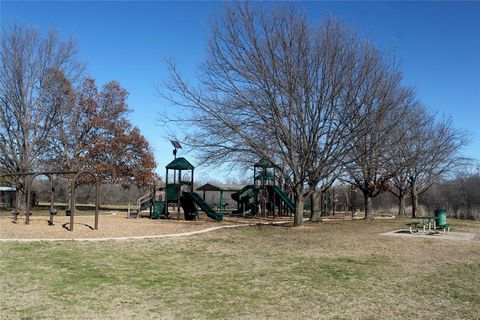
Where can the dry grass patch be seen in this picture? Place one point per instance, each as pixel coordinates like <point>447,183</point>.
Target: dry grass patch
<point>337,270</point>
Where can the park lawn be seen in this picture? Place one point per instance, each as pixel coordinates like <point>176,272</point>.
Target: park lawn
<point>338,270</point>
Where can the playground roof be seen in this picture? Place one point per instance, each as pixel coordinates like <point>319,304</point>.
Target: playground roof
<point>221,187</point>
<point>180,164</point>
<point>264,163</point>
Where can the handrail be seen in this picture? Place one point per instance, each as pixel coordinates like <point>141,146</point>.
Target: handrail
<point>144,199</point>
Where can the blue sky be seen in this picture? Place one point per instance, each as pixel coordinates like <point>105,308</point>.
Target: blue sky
<point>438,44</point>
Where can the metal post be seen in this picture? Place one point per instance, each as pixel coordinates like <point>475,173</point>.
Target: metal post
<point>17,204</point>
<point>221,200</point>
<point>72,203</point>
<point>96,201</point>
<point>166,193</point>
<point>191,188</point>
<point>52,201</point>
<point>27,207</point>
<point>178,193</point>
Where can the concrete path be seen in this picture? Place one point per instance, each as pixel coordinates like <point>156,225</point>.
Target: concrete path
<point>449,236</point>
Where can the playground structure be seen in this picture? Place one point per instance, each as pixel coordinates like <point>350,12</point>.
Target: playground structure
<point>30,177</point>
<point>263,198</point>
<point>265,193</point>
<point>179,194</point>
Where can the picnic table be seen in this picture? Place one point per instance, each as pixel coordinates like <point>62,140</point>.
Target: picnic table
<point>428,224</point>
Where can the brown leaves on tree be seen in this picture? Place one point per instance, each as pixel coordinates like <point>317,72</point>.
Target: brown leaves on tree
<point>96,134</point>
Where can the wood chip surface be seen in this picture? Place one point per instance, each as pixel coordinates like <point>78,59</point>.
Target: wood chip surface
<point>109,226</point>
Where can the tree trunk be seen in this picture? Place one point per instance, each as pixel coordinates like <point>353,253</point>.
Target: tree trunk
<point>414,203</point>
<point>298,218</point>
<point>325,203</point>
<point>368,206</point>
<point>314,214</point>
<point>401,205</point>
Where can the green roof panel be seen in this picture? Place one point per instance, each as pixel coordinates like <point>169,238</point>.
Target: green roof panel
<point>180,164</point>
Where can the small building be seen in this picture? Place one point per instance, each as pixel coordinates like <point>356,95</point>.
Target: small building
<point>7,197</point>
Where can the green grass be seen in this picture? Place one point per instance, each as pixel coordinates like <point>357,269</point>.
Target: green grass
<point>341,270</point>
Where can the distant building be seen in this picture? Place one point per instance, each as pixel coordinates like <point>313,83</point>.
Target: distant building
<point>7,197</point>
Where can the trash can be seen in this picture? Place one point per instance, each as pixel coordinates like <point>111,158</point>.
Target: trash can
<point>440,217</point>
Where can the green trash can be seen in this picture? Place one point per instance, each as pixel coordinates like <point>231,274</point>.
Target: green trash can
<point>440,217</point>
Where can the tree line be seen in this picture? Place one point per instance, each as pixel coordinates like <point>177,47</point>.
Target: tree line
<point>317,100</point>
<point>54,117</point>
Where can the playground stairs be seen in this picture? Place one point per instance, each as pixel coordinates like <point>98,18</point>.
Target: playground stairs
<point>143,203</point>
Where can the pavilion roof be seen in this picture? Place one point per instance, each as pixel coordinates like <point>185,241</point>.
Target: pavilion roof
<point>221,187</point>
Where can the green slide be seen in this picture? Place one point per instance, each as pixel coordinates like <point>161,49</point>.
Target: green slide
<point>237,196</point>
<point>244,197</point>
<point>284,198</point>
<point>190,211</point>
<point>158,211</point>
<point>203,205</point>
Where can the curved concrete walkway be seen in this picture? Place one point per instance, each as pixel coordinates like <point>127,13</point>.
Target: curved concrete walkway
<point>171,235</point>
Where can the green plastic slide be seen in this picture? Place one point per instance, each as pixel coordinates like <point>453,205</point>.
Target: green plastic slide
<point>284,198</point>
<point>203,205</point>
<point>158,211</point>
<point>237,196</point>
<point>190,211</point>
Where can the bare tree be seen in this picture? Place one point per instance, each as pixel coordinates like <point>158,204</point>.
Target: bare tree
<point>31,92</point>
<point>274,87</point>
<point>436,149</point>
<point>406,152</point>
<point>383,102</point>
<point>458,194</point>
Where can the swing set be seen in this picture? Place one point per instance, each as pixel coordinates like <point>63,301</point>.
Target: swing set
<point>30,177</point>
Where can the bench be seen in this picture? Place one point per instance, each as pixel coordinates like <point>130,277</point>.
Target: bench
<point>412,225</point>
<point>445,227</point>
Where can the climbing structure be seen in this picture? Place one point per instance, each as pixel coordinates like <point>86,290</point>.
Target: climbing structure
<point>265,196</point>
<point>180,192</point>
